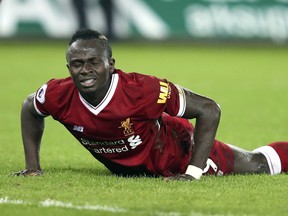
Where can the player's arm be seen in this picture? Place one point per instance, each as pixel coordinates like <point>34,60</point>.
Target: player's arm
<point>32,126</point>
<point>207,114</point>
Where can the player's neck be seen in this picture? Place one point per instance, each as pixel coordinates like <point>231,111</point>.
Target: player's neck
<point>95,98</point>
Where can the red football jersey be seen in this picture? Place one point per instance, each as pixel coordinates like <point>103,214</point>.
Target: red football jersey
<point>121,131</point>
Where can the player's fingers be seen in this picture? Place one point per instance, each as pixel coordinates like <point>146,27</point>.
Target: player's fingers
<point>20,173</point>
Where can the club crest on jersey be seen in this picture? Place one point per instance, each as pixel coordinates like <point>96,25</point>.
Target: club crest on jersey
<point>127,126</point>
<point>164,92</point>
<point>41,94</point>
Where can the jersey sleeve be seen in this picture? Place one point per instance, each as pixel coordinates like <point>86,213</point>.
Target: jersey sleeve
<point>40,99</point>
<point>164,96</point>
<point>50,97</point>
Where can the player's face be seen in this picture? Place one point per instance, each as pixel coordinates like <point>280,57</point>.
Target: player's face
<point>90,67</point>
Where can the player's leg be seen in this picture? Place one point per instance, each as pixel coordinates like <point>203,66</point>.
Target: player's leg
<point>276,154</point>
<point>224,159</point>
<point>247,162</point>
<point>227,159</point>
<point>271,159</point>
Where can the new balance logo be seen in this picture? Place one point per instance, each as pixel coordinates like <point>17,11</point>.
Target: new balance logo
<point>78,128</point>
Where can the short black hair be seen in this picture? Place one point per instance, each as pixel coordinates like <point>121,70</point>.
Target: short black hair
<point>88,34</point>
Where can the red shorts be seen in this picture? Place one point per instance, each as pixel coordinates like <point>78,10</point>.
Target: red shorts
<point>175,153</point>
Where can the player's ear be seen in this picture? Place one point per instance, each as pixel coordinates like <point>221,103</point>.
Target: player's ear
<point>111,65</point>
<point>67,65</point>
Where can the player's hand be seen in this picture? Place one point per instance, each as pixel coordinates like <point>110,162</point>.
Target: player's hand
<point>28,172</point>
<point>182,177</point>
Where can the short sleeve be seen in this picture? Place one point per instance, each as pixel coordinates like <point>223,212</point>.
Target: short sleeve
<point>52,97</point>
<point>40,99</point>
<point>163,96</point>
<point>177,105</point>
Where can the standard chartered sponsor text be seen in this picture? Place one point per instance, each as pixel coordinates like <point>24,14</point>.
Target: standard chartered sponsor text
<point>110,150</point>
<point>105,150</point>
<point>102,143</point>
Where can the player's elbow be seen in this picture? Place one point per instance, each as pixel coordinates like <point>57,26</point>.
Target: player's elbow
<point>212,111</point>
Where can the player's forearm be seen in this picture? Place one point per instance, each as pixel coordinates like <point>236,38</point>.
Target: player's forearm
<point>32,127</point>
<point>204,135</point>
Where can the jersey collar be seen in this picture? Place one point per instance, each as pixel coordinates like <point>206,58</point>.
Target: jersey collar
<point>111,91</point>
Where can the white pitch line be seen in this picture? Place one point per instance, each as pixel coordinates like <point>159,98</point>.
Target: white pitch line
<point>57,203</point>
<point>5,200</point>
<point>60,204</point>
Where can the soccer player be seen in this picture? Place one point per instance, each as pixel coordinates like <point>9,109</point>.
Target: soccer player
<point>136,124</point>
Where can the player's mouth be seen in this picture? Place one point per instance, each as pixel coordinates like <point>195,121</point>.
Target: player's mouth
<point>88,82</point>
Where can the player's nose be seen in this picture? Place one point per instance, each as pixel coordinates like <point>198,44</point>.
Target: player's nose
<point>87,68</point>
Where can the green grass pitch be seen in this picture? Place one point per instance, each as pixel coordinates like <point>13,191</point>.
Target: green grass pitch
<point>249,83</point>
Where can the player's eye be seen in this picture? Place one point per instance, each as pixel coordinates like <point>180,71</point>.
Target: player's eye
<point>95,62</point>
<point>76,64</point>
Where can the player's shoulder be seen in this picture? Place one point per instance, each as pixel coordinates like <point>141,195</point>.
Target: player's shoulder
<point>138,79</point>
<point>54,88</point>
<point>60,82</point>
<point>59,85</point>
<point>149,89</point>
